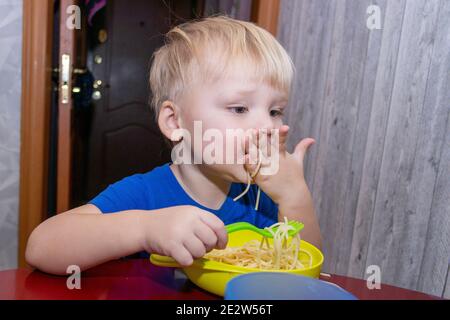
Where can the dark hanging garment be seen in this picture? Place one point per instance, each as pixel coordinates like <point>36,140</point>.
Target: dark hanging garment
<point>92,7</point>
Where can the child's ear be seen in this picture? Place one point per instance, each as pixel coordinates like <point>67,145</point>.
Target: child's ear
<point>168,120</point>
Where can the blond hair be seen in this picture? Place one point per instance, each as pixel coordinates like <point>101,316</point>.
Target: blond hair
<point>204,50</point>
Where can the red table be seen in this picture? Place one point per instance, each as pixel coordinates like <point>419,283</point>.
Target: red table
<point>139,279</point>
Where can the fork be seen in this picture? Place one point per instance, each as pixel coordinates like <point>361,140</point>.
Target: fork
<point>297,226</point>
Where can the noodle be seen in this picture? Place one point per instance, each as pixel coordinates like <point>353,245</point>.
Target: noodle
<point>260,255</point>
<point>249,182</point>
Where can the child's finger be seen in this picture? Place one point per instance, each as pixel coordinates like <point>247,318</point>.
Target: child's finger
<point>246,141</point>
<point>283,134</point>
<point>253,148</point>
<point>263,142</point>
<point>195,246</point>
<point>244,149</point>
<point>182,256</point>
<point>250,166</point>
<point>302,147</point>
<point>206,235</point>
<point>217,226</point>
<point>255,138</point>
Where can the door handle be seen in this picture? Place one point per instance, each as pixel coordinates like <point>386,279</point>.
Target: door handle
<point>65,78</point>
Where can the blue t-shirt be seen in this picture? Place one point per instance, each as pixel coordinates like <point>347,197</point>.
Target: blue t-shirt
<point>159,188</point>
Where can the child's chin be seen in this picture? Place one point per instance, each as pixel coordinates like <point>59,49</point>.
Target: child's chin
<point>230,173</point>
<point>236,175</point>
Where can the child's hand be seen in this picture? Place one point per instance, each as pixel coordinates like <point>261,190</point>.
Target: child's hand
<point>289,181</point>
<point>183,233</point>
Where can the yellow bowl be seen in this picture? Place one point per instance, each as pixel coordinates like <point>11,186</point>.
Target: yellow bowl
<point>213,276</point>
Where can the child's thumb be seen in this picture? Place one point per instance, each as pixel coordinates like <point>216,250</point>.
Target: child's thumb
<point>302,147</point>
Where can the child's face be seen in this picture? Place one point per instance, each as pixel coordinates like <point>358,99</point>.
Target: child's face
<point>234,102</point>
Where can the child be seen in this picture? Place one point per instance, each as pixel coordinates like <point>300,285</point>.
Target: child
<point>223,74</point>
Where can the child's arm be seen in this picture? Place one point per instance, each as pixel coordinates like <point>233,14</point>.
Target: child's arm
<point>299,206</point>
<point>85,237</point>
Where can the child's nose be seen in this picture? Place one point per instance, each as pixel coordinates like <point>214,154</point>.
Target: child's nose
<point>265,123</point>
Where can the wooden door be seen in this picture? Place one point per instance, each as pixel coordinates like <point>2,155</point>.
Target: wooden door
<point>123,136</point>
<point>67,57</point>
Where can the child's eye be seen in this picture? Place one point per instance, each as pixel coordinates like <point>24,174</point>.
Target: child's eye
<point>238,109</point>
<point>276,113</point>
